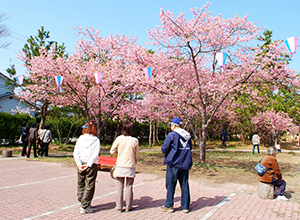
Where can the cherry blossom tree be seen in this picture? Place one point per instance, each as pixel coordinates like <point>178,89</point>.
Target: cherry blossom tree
<point>36,85</point>
<point>93,54</point>
<point>190,77</point>
<point>272,123</point>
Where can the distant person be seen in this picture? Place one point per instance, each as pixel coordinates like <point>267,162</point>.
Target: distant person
<point>86,152</point>
<point>24,137</point>
<point>178,158</point>
<point>126,149</point>
<point>46,138</point>
<point>255,142</point>
<point>41,133</point>
<point>298,140</point>
<point>32,139</point>
<point>224,137</point>
<point>277,146</point>
<point>273,174</point>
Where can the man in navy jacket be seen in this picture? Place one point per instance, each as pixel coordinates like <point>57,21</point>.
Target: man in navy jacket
<point>178,158</point>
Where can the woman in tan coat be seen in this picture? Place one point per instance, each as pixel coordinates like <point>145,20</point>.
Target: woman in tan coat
<point>126,149</point>
<point>273,174</point>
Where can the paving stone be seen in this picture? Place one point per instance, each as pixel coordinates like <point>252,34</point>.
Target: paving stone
<point>44,190</point>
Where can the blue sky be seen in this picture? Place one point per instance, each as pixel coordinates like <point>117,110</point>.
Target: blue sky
<point>131,17</point>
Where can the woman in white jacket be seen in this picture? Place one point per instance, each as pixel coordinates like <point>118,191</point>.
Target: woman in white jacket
<point>86,154</point>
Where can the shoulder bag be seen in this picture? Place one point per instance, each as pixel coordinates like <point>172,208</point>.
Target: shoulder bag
<point>261,169</point>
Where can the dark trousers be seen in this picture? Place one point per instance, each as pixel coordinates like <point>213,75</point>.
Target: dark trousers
<point>223,142</point>
<point>86,185</point>
<point>43,149</point>
<point>31,142</point>
<point>281,184</point>
<point>255,145</point>
<point>173,174</point>
<point>25,143</point>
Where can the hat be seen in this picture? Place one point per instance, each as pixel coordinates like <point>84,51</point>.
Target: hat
<point>176,121</point>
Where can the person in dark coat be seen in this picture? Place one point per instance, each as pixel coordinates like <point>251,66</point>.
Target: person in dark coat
<point>32,139</point>
<point>178,158</point>
<point>24,137</point>
<point>224,137</point>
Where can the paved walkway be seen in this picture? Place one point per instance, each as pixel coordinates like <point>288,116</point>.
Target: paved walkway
<point>43,190</point>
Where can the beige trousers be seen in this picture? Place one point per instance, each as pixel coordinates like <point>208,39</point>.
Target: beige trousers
<point>128,192</point>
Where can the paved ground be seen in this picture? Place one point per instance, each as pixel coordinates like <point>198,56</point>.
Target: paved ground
<point>43,190</point>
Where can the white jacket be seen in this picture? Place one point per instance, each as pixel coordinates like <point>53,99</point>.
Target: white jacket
<point>87,149</point>
<point>255,139</point>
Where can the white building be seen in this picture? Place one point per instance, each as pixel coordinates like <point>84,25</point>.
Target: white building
<point>9,102</point>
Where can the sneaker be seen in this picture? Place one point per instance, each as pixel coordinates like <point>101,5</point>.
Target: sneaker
<point>282,198</point>
<point>89,209</point>
<point>186,211</point>
<point>165,209</point>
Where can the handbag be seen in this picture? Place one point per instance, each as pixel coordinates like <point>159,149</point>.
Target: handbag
<point>112,171</point>
<point>261,169</point>
<point>20,139</point>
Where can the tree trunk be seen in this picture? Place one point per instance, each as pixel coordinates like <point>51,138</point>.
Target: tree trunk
<point>153,133</point>
<point>118,128</point>
<point>203,143</point>
<point>156,134</point>
<point>98,122</point>
<point>150,134</point>
<point>44,112</point>
<point>105,135</point>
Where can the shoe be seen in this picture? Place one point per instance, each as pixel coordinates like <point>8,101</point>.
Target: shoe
<point>89,209</point>
<point>282,198</point>
<point>128,209</point>
<point>119,210</point>
<point>165,209</point>
<point>186,211</point>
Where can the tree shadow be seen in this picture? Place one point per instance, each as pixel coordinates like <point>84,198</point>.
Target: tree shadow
<point>288,194</point>
<point>203,202</point>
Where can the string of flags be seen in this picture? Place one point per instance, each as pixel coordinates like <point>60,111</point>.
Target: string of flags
<point>98,77</point>
<point>20,80</point>
<point>221,58</point>
<point>148,72</point>
<point>291,44</point>
<point>58,80</point>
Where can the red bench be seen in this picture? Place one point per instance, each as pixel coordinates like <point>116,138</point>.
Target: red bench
<point>106,162</point>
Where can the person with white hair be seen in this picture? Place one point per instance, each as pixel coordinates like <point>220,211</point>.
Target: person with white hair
<point>273,174</point>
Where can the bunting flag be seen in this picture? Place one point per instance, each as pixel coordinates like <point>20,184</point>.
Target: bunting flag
<point>19,80</point>
<point>58,80</point>
<point>98,77</point>
<point>147,71</point>
<point>221,58</point>
<point>291,44</point>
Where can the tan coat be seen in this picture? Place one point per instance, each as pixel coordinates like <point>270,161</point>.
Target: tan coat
<point>270,162</point>
<point>126,149</point>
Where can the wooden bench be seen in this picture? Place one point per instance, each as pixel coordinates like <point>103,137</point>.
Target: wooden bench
<point>106,162</point>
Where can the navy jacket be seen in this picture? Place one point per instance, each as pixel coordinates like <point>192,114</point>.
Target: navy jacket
<point>177,149</point>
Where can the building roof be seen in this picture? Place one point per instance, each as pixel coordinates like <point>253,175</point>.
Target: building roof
<point>4,77</point>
